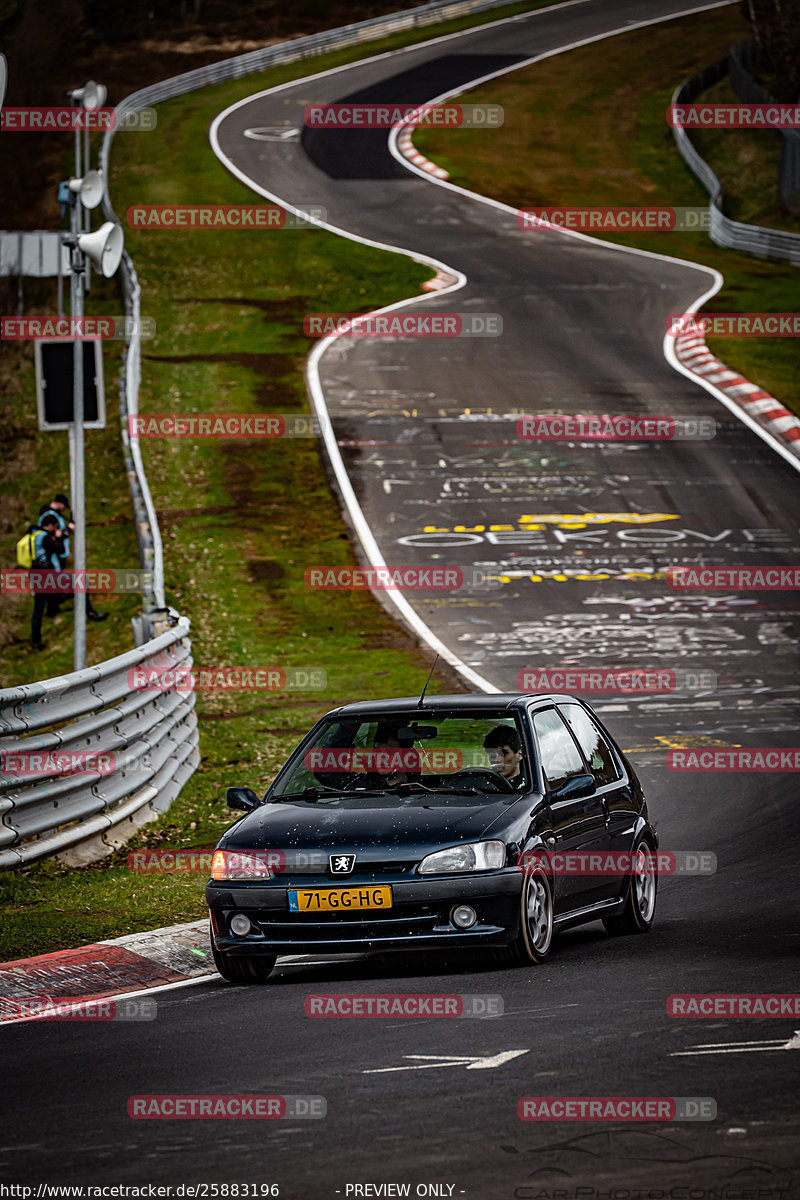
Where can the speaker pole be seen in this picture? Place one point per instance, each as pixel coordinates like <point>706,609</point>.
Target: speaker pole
<point>86,215</point>
<point>76,448</point>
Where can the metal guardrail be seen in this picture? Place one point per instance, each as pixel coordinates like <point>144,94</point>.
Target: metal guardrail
<point>147,740</point>
<point>752,239</point>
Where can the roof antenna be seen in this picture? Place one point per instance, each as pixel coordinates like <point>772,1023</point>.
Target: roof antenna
<point>427,681</point>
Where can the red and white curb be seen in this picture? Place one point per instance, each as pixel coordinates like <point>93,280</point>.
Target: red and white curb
<point>405,145</point>
<point>695,356</point>
<point>137,962</point>
<point>441,280</point>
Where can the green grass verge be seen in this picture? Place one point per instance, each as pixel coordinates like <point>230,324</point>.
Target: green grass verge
<point>240,520</point>
<point>589,128</point>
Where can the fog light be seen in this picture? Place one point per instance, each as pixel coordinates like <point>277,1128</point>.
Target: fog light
<point>463,916</point>
<point>240,925</point>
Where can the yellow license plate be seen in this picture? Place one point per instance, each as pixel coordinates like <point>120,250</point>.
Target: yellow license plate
<point>339,899</point>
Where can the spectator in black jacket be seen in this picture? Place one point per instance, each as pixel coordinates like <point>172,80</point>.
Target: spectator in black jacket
<point>45,558</point>
<point>57,506</point>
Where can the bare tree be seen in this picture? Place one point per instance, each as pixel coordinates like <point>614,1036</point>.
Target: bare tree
<point>776,28</point>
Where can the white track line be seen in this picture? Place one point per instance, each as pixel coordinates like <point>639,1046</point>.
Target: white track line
<point>355,512</point>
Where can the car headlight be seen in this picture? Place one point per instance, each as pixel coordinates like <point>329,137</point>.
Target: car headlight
<point>240,864</point>
<point>472,856</point>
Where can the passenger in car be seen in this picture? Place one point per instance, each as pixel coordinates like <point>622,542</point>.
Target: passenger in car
<point>504,747</point>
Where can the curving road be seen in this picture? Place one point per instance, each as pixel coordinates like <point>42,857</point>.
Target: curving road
<point>450,483</point>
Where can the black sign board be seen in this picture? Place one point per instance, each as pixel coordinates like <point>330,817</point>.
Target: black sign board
<point>54,384</point>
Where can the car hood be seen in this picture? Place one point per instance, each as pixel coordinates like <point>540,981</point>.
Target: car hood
<point>391,821</point>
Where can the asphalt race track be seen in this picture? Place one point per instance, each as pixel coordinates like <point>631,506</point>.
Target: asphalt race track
<point>427,431</point>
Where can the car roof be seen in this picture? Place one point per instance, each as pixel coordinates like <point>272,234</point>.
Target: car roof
<point>465,701</point>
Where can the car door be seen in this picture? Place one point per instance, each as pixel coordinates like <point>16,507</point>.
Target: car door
<point>578,821</point>
<point>620,808</point>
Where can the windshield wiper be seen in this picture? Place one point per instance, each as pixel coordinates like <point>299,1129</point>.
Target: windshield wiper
<point>461,791</point>
<point>309,793</point>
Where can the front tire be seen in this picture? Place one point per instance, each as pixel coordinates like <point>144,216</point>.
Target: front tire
<point>242,968</point>
<point>535,936</point>
<point>639,911</point>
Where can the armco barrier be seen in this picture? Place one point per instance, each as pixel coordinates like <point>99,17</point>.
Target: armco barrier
<point>752,239</point>
<point>149,736</point>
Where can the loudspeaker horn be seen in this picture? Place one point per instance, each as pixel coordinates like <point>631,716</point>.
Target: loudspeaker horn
<point>104,247</point>
<point>90,188</point>
<point>92,95</point>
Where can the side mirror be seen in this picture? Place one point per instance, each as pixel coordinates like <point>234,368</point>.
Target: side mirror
<point>573,789</point>
<point>243,798</point>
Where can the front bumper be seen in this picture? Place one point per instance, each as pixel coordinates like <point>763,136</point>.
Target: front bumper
<point>419,918</point>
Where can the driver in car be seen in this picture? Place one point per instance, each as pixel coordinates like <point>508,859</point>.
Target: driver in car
<point>504,748</point>
<point>396,743</point>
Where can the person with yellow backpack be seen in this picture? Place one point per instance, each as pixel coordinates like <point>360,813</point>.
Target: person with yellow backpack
<point>56,508</point>
<point>38,550</point>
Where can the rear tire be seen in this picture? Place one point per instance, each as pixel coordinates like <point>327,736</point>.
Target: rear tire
<point>535,937</point>
<point>639,911</point>
<point>243,968</point>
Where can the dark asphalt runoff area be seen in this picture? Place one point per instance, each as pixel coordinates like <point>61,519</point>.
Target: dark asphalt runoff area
<point>427,431</point>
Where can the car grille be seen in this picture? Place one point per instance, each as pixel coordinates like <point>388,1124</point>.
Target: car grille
<point>365,923</point>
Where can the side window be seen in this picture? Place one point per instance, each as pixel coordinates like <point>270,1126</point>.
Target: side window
<point>592,743</point>
<point>560,756</point>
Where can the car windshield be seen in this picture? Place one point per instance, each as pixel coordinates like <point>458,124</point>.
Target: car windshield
<point>408,753</point>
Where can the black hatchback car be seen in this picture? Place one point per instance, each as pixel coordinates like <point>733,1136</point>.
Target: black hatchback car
<point>417,825</point>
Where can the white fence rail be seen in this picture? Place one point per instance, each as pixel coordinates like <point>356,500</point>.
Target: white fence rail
<point>753,239</point>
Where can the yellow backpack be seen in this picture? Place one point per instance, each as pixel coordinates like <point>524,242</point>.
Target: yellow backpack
<point>26,554</point>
